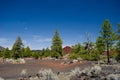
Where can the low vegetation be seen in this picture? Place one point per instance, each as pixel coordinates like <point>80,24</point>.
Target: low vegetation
<point>95,72</point>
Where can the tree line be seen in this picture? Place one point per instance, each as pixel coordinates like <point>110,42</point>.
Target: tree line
<point>19,51</point>
<point>107,46</point>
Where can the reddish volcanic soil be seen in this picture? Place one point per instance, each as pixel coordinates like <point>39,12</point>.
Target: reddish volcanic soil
<point>12,71</point>
<point>61,66</point>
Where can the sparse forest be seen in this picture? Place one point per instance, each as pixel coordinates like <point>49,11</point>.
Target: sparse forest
<point>106,47</point>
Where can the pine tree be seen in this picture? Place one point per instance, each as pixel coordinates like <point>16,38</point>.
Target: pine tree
<point>100,45</point>
<point>6,53</point>
<point>56,45</point>
<point>118,37</point>
<point>17,48</point>
<point>107,36</point>
<point>36,54</point>
<point>118,44</point>
<point>46,52</point>
<point>76,48</point>
<point>27,52</point>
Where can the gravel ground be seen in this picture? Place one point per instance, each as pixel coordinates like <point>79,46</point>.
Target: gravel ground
<point>12,71</point>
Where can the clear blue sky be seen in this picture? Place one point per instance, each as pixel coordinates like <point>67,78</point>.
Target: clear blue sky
<point>36,20</point>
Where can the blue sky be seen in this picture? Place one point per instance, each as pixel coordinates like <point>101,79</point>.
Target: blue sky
<point>36,20</point>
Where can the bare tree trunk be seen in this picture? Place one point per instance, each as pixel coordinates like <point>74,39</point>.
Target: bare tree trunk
<point>108,58</point>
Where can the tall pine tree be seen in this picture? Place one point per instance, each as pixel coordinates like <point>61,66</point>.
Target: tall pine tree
<point>56,47</point>
<point>118,44</point>
<point>17,48</point>
<point>118,37</point>
<point>107,35</point>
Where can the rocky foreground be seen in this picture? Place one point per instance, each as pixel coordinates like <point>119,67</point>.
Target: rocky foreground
<point>59,70</point>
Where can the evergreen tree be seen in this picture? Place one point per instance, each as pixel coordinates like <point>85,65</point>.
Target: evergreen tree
<point>6,53</point>
<point>43,52</point>
<point>47,52</point>
<point>107,36</point>
<point>118,43</point>
<point>118,37</point>
<point>27,52</point>
<point>17,48</point>
<point>77,51</point>
<point>76,48</point>
<point>36,54</point>
<point>100,45</point>
<point>56,45</point>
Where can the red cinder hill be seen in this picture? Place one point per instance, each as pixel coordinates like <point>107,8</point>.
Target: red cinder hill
<point>67,49</point>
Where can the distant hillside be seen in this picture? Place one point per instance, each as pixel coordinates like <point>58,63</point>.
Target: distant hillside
<point>2,48</point>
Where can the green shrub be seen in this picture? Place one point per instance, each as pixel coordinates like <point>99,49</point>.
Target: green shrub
<point>91,57</point>
<point>36,55</point>
<point>73,56</point>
